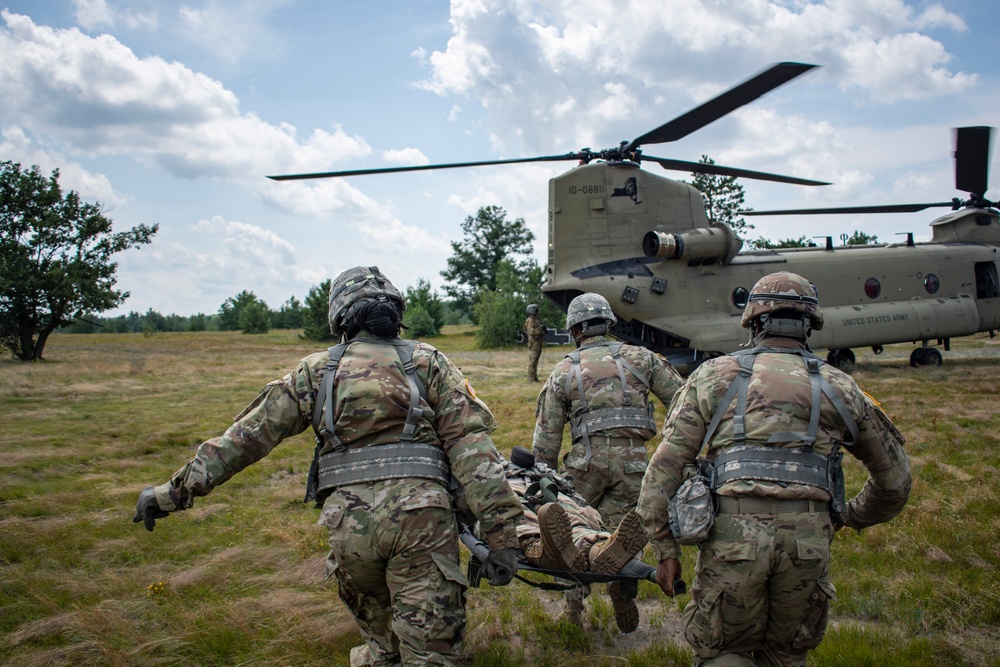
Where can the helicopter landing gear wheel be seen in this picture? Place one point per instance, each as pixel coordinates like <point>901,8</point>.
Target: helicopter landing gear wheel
<point>926,356</point>
<point>842,359</point>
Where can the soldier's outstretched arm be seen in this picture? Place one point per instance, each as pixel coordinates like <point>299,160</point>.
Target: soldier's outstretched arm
<point>280,410</point>
<point>880,449</point>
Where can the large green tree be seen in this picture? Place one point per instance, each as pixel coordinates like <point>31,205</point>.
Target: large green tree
<point>316,313</point>
<point>55,258</point>
<point>231,312</point>
<point>489,238</point>
<point>501,312</point>
<point>724,198</point>
<point>424,314</point>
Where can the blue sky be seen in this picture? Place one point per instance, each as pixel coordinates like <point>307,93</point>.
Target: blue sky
<point>174,113</point>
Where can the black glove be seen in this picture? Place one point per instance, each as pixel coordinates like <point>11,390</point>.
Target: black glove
<point>147,509</point>
<point>500,567</point>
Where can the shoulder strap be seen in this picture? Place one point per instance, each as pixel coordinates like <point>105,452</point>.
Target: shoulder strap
<point>404,349</point>
<point>739,385</point>
<point>324,397</point>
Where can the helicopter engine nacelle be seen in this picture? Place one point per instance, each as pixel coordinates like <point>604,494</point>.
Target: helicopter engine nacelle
<point>716,242</point>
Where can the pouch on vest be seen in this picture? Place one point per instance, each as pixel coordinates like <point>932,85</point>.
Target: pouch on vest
<point>691,512</point>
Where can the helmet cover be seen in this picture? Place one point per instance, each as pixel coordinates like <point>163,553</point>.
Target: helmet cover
<point>783,291</point>
<point>354,285</point>
<point>588,307</point>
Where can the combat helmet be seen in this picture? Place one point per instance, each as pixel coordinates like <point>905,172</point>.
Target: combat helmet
<point>532,309</point>
<point>352,288</point>
<point>588,307</point>
<point>783,291</point>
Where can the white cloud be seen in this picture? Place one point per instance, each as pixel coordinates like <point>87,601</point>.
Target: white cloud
<point>94,188</point>
<point>97,96</point>
<point>405,156</point>
<point>608,61</point>
<point>93,13</point>
<point>208,262</point>
<point>233,31</point>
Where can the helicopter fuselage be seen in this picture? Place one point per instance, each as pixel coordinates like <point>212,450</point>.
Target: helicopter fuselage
<point>678,284</point>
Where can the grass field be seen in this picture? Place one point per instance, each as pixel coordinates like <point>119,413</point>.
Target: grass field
<point>239,578</point>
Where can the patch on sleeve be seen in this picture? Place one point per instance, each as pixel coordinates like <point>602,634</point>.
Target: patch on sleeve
<point>468,388</point>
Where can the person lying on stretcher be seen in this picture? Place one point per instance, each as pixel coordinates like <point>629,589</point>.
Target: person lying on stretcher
<point>560,535</point>
<point>559,531</point>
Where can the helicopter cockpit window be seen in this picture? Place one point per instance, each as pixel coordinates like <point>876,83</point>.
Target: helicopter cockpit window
<point>740,296</point>
<point>931,283</point>
<point>873,288</point>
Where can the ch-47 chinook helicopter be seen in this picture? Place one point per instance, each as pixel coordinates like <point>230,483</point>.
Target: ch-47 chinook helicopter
<point>678,283</point>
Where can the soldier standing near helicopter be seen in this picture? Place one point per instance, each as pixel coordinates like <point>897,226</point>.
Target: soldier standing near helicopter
<point>395,420</point>
<point>535,332</point>
<point>770,422</point>
<point>602,389</point>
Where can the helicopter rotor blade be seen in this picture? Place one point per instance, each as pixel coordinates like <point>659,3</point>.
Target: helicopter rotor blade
<point>425,167</point>
<point>972,159</point>
<point>719,170</point>
<point>721,105</point>
<point>887,208</point>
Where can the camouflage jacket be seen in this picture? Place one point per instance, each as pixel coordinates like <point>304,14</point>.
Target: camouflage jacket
<point>371,402</point>
<point>560,399</point>
<point>778,399</point>
<point>533,327</point>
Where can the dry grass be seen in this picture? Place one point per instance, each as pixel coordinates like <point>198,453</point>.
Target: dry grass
<point>239,579</point>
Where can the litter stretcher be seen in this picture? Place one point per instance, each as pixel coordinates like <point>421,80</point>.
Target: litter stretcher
<point>546,486</point>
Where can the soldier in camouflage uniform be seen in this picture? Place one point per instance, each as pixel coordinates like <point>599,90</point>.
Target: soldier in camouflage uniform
<point>602,389</point>
<point>535,332</point>
<point>772,420</point>
<point>394,419</point>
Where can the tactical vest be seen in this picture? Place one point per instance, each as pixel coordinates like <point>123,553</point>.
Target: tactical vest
<point>340,464</point>
<point>584,421</point>
<point>796,465</point>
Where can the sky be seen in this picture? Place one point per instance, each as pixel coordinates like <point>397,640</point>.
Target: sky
<point>174,114</point>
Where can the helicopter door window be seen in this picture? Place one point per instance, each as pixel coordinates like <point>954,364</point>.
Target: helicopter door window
<point>931,283</point>
<point>873,288</point>
<point>987,286</point>
<point>740,296</point>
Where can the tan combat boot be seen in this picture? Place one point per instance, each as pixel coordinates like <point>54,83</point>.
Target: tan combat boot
<point>557,538</point>
<point>610,556</point>
<point>536,555</point>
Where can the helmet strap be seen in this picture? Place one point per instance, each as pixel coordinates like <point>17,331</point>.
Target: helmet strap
<point>785,327</point>
<point>588,330</point>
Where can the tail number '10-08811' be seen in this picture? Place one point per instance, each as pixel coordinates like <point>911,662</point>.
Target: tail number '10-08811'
<point>586,189</point>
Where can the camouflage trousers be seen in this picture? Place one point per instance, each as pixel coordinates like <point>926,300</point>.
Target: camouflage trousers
<point>611,477</point>
<point>761,590</point>
<point>394,551</point>
<point>534,353</point>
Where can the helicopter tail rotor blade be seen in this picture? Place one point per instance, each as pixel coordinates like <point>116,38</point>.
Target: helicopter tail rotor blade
<point>723,104</point>
<point>719,170</point>
<point>972,159</point>
<point>887,208</point>
<point>425,167</point>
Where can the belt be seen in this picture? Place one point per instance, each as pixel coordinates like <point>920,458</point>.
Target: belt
<point>755,505</point>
